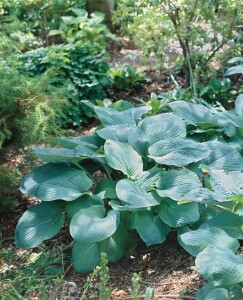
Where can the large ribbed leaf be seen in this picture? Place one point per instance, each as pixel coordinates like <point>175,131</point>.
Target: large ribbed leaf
<point>175,184</point>
<point>90,225</point>
<point>191,112</point>
<point>211,236</point>
<point>222,157</point>
<point>234,70</point>
<point>148,179</point>
<point>117,133</point>
<point>54,155</point>
<point>231,223</point>
<point>85,257</point>
<point>108,187</point>
<point>110,116</point>
<point>177,152</point>
<point>92,141</point>
<point>210,292</point>
<point>178,215</point>
<point>227,184</point>
<point>161,127</point>
<point>114,246</point>
<point>124,158</point>
<point>67,186</point>
<point>39,223</point>
<point>239,105</point>
<point>136,141</point>
<point>203,195</point>
<point>85,151</point>
<point>193,250</point>
<point>150,228</point>
<point>220,266</point>
<point>84,201</point>
<point>133,195</point>
<point>33,180</point>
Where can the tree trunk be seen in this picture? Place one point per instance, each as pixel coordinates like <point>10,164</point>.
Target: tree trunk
<point>104,6</point>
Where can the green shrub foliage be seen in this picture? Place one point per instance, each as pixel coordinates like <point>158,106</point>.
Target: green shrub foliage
<point>28,108</point>
<point>40,15</point>
<point>201,28</point>
<point>179,169</point>
<point>82,67</point>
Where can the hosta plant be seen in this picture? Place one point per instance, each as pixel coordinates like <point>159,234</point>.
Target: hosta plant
<point>179,169</point>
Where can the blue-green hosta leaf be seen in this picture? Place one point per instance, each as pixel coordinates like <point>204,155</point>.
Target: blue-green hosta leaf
<point>235,60</point>
<point>108,187</point>
<point>124,158</point>
<point>211,236</point>
<point>117,133</point>
<point>90,225</point>
<point>148,179</point>
<point>92,141</point>
<point>234,70</point>
<point>239,105</point>
<point>220,266</point>
<point>84,201</point>
<point>210,292</point>
<point>67,186</point>
<point>175,184</point>
<point>55,155</point>
<point>130,194</point>
<point>236,142</point>
<point>193,250</point>
<point>39,223</point>
<point>31,182</point>
<point>85,151</point>
<point>176,215</point>
<point>222,157</point>
<point>161,127</point>
<point>85,257</point>
<point>110,116</point>
<point>203,195</point>
<point>119,206</point>
<point>192,113</point>
<point>178,152</point>
<point>138,144</point>
<point>230,222</point>
<point>114,246</point>
<point>150,228</point>
<point>227,184</point>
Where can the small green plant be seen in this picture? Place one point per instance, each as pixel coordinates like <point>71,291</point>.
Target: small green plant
<point>179,169</point>
<point>126,77</point>
<point>103,271</point>
<point>135,286</point>
<point>83,28</point>
<point>81,67</point>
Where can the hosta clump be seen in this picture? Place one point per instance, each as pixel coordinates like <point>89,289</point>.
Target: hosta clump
<point>180,169</point>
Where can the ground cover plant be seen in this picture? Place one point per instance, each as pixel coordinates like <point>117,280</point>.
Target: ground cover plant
<point>185,174</point>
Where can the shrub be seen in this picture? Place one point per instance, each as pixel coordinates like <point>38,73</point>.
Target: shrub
<point>194,24</point>
<point>180,169</point>
<point>40,15</point>
<point>82,67</point>
<point>28,108</point>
